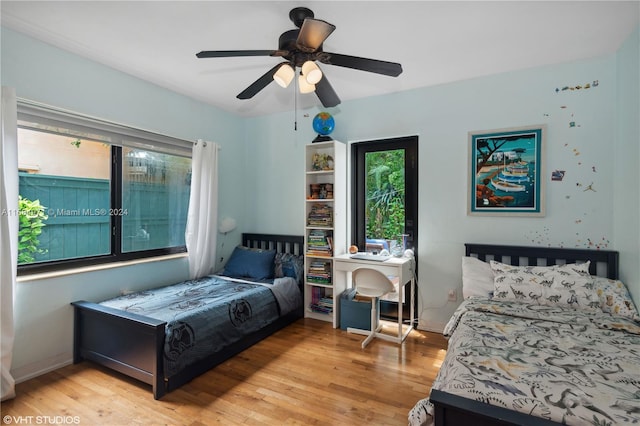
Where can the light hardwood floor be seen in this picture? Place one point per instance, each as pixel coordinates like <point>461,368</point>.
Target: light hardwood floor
<point>305,374</point>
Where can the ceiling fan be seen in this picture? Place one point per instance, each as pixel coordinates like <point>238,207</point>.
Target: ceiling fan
<point>301,48</point>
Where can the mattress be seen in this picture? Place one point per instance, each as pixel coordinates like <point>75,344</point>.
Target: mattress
<point>206,315</point>
<point>570,366</point>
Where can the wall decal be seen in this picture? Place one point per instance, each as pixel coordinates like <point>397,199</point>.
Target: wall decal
<point>568,142</point>
<point>595,83</point>
<point>589,243</point>
<point>539,237</point>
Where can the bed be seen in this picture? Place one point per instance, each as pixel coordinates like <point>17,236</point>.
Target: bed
<point>167,336</point>
<point>535,344</point>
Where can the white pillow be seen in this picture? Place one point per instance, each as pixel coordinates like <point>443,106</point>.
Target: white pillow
<point>477,278</point>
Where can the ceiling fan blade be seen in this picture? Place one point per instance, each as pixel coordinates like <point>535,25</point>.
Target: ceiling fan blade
<point>230,53</point>
<point>313,33</point>
<point>392,69</point>
<point>260,83</point>
<point>325,93</point>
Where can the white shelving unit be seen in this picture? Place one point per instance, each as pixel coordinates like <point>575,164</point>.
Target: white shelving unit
<point>325,227</point>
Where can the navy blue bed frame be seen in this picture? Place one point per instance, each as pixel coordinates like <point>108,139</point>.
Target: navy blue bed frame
<point>133,344</point>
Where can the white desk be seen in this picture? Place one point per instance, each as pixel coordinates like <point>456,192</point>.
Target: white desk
<point>401,267</point>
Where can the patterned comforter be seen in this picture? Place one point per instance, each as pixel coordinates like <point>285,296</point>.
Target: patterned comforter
<point>206,315</point>
<point>570,366</point>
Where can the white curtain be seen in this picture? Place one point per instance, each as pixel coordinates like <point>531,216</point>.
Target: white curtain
<point>8,233</point>
<point>202,219</point>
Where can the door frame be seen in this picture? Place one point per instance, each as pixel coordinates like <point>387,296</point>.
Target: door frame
<point>358,181</point>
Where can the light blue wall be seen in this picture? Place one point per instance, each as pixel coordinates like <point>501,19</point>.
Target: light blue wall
<point>261,175</point>
<point>442,116</point>
<point>626,213</point>
<point>52,76</point>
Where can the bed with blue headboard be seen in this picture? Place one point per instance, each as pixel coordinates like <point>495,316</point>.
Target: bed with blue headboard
<point>167,336</point>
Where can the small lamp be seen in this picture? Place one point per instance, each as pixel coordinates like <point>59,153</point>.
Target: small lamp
<point>311,72</point>
<point>284,75</point>
<point>227,224</point>
<point>305,86</point>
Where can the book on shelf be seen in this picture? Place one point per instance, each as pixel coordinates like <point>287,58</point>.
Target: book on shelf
<point>319,278</point>
<point>320,215</point>
<point>319,243</point>
<point>322,308</point>
<point>320,302</point>
<point>319,272</point>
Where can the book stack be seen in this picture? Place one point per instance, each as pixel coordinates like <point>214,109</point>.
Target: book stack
<point>319,272</point>
<point>320,215</point>
<point>319,302</point>
<point>319,243</point>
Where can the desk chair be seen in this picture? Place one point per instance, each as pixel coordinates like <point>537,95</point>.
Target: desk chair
<point>372,283</point>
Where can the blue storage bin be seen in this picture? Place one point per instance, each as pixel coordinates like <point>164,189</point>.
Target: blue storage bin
<point>354,313</point>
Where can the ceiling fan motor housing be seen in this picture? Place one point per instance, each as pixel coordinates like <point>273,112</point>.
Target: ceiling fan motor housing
<point>299,14</point>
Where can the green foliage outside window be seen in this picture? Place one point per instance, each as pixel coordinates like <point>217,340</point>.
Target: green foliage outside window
<point>385,211</point>
<point>31,218</point>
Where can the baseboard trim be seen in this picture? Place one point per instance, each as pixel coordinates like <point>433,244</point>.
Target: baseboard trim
<point>431,326</point>
<point>35,369</point>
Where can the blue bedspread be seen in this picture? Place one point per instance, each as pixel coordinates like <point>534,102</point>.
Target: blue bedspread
<point>203,316</point>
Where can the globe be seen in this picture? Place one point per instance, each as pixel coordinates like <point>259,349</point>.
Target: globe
<point>323,123</point>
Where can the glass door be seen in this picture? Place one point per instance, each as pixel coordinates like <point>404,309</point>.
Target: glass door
<point>385,198</point>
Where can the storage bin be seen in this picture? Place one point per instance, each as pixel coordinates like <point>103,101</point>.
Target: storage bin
<point>354,313</point>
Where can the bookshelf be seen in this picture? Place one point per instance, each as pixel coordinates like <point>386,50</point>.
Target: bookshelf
<point>325,227</point>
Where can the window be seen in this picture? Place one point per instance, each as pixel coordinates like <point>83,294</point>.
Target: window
<point>385,192</point>
<point>92,191</point>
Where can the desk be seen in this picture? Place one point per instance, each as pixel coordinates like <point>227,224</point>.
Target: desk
<point>401,267</point>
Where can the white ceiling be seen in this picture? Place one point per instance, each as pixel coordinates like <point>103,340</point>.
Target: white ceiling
<point>436,42</point>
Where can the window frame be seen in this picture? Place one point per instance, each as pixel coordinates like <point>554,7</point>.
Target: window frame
<point>359,149</point>
<point>118,136</point>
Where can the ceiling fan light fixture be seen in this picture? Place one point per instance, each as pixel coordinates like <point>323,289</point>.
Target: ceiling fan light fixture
<point>305,86</point>
<point>284,75</point>
<point>311,72</point>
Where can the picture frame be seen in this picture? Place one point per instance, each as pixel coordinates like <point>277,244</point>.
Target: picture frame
<point>506,172</point>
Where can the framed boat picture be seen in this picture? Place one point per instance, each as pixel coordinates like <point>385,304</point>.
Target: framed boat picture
<point>506,172</point>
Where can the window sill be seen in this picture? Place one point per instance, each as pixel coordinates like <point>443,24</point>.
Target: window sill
<point>85,269</point>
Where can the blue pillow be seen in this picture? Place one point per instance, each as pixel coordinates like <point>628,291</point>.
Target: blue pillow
<point>250,263</point>
<point>289,265</point>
